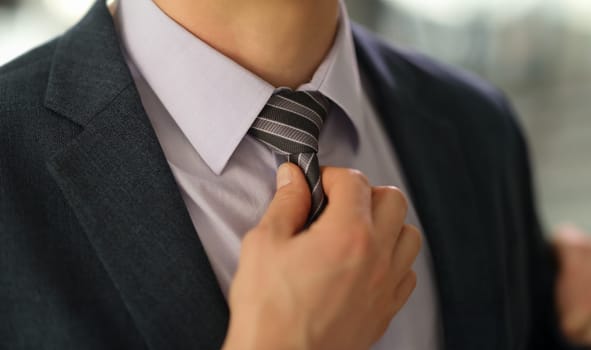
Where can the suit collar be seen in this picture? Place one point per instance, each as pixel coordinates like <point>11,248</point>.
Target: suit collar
<point>88,69</point>
<point>117,181</point>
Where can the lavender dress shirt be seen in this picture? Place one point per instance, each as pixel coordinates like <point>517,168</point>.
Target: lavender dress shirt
<point>201,105</point>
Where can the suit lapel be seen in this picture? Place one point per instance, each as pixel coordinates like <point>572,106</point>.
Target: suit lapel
<point>116,179</point>
<point>442,190</point>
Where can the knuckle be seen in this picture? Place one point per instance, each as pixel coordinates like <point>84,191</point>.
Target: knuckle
<point>358,177</point>
<point>379,192</point>
<point>391,196</point>
<point>398,198</point>
<point>413,236</point>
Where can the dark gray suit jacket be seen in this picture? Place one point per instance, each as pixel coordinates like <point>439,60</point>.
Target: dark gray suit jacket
<point>97,250</point>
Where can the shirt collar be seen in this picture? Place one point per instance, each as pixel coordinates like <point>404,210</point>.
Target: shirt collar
<point>214,100</point>
<point>338,76</point>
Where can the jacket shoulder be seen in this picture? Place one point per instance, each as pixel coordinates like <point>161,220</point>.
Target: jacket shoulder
<point>28,130</point>
<point>485,126</point>
<point>452,91</point>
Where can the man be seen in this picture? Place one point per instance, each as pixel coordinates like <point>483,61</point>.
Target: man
<point>99,247</point>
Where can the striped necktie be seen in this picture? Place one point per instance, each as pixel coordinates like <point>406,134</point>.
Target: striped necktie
<point>290,124</point>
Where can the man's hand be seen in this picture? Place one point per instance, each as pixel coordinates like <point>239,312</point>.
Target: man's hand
<point>337,284</point>
<point>573,289</point>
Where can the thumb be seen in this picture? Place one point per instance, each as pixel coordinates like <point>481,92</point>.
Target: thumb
<point>289,209</point>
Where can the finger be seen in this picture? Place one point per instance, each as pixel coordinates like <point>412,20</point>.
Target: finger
<point>389,208</point>
<point>349,196</point>
<point>290,206</point>
<point>393,301</point>
<point>405,252</point>
<point>405,288</point>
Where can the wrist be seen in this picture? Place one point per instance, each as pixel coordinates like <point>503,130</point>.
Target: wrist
<point>260,333</point>
<point>246,338</point>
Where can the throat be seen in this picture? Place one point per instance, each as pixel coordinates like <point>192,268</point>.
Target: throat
<point>282,41</point>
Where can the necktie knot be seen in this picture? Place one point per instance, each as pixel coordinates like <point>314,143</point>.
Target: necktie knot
<point>290,122</point>
<point>290,125</point>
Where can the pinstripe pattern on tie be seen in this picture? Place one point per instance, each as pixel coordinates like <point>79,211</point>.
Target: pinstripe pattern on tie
<point>289,125</point>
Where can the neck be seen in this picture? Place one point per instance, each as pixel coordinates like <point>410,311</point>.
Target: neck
<point>281,41</point>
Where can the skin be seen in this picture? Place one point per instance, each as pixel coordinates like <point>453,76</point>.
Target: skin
<point>573,290</point>
<point>336,285</point>
<point>282,41</point>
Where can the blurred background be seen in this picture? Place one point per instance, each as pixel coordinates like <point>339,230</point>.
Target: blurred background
<point>537,51</point>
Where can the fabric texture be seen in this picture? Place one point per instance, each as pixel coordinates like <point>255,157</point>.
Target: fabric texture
<point>97,250</point>
<point>290,125</point>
